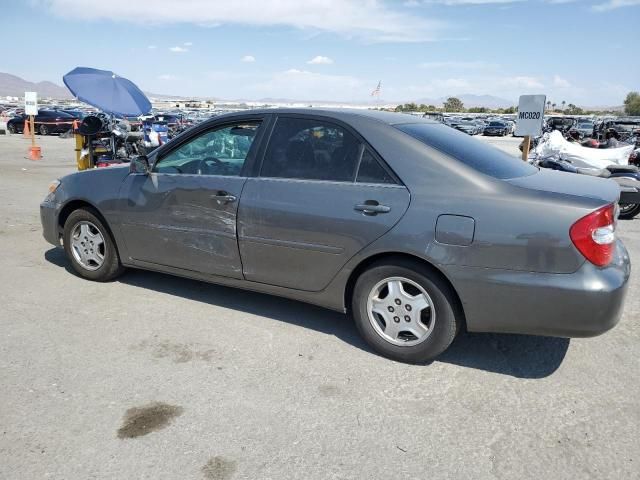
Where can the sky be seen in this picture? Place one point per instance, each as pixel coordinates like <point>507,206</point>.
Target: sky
<point>578,51</point>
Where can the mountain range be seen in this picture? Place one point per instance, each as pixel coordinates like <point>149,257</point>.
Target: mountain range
<point>11,85</point>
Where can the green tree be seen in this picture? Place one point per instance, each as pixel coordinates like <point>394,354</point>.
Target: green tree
<point>573,110</point>
<point>563,104</point>
<point>453,104</point>
<point>510,110</point>
<point>632,104</point>
<point>548,104</point>
<point>478,110</point>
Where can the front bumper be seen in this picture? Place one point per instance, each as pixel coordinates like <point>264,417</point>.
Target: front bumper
<point>585,303</point>
<point>49,218</point>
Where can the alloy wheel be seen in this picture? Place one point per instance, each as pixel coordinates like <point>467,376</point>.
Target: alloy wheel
<point>401,311</point>
<point>87,245</point>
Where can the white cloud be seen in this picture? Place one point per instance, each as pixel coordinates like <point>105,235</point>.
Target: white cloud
<point>167,76</point>
<point>320,60</point>
<point>369,20</point>
<point>178,49</point>
<point>248,59</point>
<point>152,47</point>
<point>560,82</point>
<point>614,4</point>
<point>188,44</point>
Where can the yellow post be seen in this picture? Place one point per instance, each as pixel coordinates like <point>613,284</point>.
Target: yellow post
<point>525,148</point>
<point>33,134</point>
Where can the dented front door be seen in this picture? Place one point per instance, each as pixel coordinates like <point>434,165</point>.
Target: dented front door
<point>183,221</point>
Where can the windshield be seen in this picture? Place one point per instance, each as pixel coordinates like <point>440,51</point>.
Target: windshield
<point>496,124</point>
<point>585,125</point>
<point>476,154</point>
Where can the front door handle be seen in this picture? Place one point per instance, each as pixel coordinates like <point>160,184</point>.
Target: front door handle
<point>223,197</point>
<point>372,207</point>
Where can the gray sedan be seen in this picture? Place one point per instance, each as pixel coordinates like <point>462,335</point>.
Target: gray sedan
<point>414,228</point>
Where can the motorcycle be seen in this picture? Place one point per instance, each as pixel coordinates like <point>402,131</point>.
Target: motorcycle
<point>556,153</point>
<point>626,176</point>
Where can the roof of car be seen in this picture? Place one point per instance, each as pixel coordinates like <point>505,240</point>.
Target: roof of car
<point>390,118</point>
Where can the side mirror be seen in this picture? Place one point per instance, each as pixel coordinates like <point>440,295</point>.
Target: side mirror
<point>139,164</point>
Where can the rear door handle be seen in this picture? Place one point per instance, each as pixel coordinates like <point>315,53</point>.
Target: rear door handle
<point>224,197</point>
<point>372,207</point>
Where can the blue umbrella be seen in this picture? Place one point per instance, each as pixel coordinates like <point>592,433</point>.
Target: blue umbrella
<point>107,91</point>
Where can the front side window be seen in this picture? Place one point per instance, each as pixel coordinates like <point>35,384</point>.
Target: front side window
<point>311,149</point>
<point>222,151</point>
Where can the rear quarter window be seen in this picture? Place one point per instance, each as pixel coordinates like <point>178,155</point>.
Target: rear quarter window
<point>474,153</point>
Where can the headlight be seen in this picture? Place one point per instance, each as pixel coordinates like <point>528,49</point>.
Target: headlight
<point>53,186</point>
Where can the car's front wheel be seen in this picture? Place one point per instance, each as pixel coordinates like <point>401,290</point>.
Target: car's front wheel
<point>11,128</point>
<point>90,247</point>
<point>404,311</point>
<point>43,129</point>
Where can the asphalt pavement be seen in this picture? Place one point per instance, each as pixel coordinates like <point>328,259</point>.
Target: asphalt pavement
<point>158,377</point>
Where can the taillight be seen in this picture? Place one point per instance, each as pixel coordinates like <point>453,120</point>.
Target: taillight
<point>594,235</point>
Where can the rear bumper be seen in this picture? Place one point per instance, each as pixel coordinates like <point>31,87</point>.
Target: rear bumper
<point>49,218</point>
<point>585,303</point>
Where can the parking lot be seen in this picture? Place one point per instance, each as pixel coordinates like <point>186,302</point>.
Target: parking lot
<point>158,377</point>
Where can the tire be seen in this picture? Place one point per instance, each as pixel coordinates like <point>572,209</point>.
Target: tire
<point>11,128</point>
<point>441,319</point>
<point>628,212</point>
<point>96,240</point>
<point>43,129</point>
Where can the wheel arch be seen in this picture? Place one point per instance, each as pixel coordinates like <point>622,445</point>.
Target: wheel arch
<point>395,256</point>
<point>78,204</point>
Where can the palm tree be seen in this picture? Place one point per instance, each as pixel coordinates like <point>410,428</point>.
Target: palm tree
<point>563,104</point>
<point>548,104</point>
<point>553,105</point>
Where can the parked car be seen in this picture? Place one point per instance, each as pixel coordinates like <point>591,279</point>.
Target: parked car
<point>46,122</point>
<point>511,125</point>
<point>414,228</point>
<point>626,129</point>
<point>496,128</point>
<point>468,127</point>
<point>582,130</point>
<point>563,124</point>
<point>77,114</point>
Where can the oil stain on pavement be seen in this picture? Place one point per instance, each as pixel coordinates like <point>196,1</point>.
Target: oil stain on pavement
<point>139,421</point>
<point>219,468</point>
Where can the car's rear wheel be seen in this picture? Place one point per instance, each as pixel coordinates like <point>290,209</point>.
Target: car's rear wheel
<point>629,210</point>
<point>404,311</point>
<point>90,247</point>
<point>43,129</point>
<point>11,128</point>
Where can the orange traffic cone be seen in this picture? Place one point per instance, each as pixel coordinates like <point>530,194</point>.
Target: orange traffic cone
<point>75,126</point>
<point>25,131</point>
<point>35,153</point>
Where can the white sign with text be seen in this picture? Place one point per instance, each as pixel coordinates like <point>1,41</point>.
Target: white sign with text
<point>530,115</point>
<point>31,103</point>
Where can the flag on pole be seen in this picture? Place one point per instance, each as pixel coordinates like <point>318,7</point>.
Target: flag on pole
<point>376,91</point>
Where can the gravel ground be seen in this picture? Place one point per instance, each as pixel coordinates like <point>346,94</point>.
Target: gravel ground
<point>156,377</point>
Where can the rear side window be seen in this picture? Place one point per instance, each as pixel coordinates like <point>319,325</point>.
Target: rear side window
<point>371,171</point>
<point>476,154</point>
<point>310,149</point>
